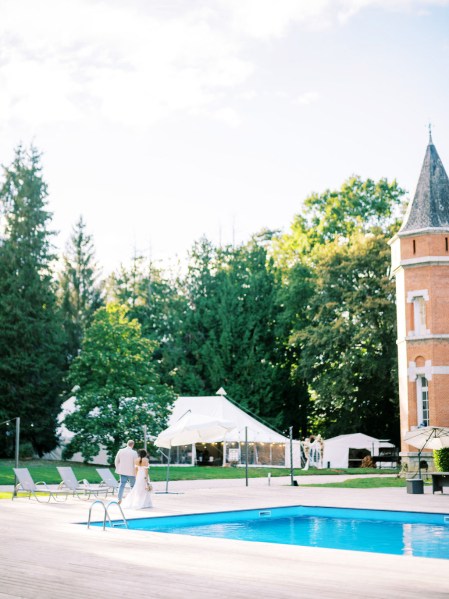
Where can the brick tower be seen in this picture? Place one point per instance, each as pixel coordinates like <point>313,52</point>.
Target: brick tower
<point>420,263</point>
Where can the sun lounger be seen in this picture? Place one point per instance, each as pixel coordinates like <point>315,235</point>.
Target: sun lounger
<point>27,485</point>
<point>80,488</point>
<point>108,479</point>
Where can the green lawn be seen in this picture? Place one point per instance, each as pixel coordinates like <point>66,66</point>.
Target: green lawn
<point>45,470</point>
<point>352,483</point>
<point>364,483</point>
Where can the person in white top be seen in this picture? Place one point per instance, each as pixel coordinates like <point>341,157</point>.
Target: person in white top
<point>140,496</point>
<point>124,466</point>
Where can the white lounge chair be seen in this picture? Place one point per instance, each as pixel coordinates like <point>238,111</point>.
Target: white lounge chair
<point>27,485</point>
<point>108,479</point>
<point>81,488</point>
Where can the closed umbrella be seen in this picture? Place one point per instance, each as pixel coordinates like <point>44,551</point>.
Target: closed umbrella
<point>192,428</point>
<point>427,437</point>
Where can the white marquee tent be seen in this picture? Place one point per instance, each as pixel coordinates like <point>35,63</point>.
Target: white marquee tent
<point>336,449</point>
<point>218,406</point>
<point>262,439</point>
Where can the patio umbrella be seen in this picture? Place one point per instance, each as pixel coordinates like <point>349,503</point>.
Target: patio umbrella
<point>192,428</point>
<point>427,437</point>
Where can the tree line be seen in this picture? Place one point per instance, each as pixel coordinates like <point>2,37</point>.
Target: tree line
<point>299,327</point>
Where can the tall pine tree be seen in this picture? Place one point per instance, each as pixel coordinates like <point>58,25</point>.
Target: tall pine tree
<point>80,291</point>
<point>230,332</point>
<point>156,299</point>
<point>31,357</point>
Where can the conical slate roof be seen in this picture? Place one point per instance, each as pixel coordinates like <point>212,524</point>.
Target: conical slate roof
<point>429,208</point>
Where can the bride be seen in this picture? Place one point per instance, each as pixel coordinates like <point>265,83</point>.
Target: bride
<point>139,497</point>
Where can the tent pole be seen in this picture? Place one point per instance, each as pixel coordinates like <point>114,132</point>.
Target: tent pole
<point>246,454</point>
<point>168,470</point>
<point>166,492</point>
<point>419,453</point>
<point>291,456</point>
<point>16,456</point>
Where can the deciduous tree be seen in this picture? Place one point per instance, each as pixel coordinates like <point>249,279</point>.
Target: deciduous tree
<point>116,387</point>
<point>339,306</point>
<point>348,348</point>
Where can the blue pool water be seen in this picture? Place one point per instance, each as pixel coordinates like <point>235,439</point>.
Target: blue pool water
<point>378,531</point>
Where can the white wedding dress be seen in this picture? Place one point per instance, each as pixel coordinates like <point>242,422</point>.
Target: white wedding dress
<point>139,498</point>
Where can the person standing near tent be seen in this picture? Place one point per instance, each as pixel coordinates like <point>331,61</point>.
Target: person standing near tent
<point>124,466</point>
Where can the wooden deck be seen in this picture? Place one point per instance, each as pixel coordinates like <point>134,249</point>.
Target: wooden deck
<point>45,554</point>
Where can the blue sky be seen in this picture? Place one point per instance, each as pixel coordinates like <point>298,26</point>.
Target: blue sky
<point>164,120</point>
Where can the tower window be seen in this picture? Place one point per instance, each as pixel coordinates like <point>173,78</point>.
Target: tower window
<point>419,315</point>
<point>422,389</point>
<point>414,246</point>
<point>447,246</point>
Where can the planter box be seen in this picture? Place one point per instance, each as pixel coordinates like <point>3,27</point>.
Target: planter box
<point>415,486</point>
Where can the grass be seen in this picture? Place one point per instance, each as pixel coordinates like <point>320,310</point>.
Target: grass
<point>364,483</point>
<point>46,470</point>
<point>351,483</point>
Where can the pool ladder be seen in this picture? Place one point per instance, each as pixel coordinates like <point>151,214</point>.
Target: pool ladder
<point>106,513</point>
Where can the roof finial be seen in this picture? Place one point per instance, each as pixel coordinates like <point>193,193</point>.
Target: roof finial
<point>430,134</point>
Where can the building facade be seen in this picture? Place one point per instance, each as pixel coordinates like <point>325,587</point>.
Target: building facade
<point>420,264</point>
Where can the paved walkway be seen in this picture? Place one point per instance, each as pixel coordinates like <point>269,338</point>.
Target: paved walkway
<point>44,553</point>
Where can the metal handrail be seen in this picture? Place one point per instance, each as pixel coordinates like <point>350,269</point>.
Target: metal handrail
<point>106,513</point>
<point>115,502</point>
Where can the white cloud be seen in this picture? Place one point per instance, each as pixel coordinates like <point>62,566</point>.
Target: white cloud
<point>307,98</point>
<point>265,19</point>
<point>74,59</point>
<point>248,95</point>
<point>271,18</point>
<point>138,62</point>
<point>228,115</point>
<point>349,8</point>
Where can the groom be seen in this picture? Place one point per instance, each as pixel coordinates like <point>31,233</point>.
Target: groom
<point>124,465</point>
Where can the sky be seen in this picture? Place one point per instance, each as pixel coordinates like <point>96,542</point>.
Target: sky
<point>162,121</point>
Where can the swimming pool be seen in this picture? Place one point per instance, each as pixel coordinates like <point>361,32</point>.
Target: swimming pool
<point>378,531</point>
